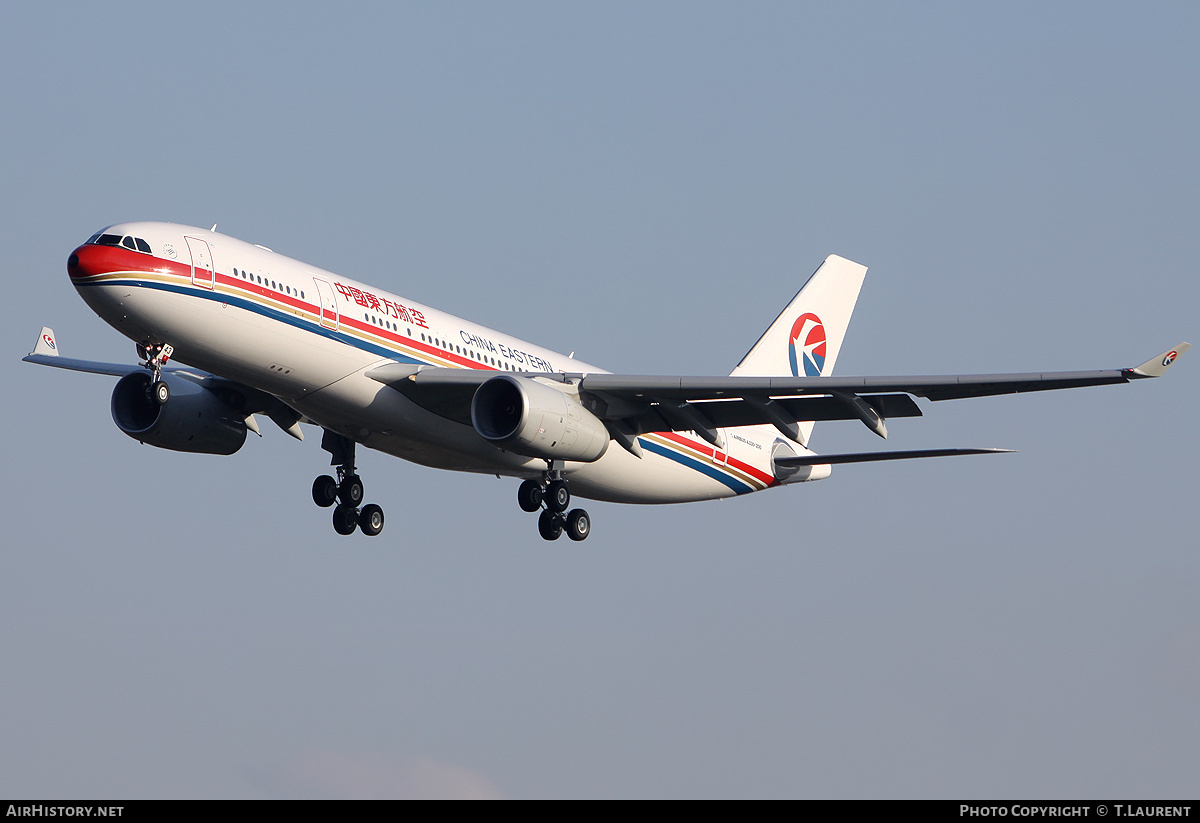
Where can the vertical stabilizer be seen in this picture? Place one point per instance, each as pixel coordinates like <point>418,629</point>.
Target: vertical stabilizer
<point>806,337</point>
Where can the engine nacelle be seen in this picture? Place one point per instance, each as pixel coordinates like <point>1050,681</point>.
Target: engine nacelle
<point>537,420</point>
<point>193,420</point>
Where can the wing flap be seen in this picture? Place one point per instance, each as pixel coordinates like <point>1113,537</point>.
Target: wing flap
<point>731,413</point>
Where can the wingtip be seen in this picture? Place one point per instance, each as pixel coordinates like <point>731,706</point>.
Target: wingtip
<point>45,343</point>
<point>1157,366</point>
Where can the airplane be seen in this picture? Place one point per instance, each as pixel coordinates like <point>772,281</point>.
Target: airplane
<point>263,334</point>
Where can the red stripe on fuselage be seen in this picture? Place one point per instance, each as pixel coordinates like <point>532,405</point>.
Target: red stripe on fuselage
<point>89,261</point>
<point>704,448</point>
<point>92,261</point>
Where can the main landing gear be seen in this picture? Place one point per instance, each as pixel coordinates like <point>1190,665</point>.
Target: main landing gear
<point>157,391</point>
<point>552,493</point>
<point>345,493</point>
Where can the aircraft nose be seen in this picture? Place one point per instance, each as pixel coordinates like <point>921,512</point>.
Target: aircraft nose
<point>85,262</point>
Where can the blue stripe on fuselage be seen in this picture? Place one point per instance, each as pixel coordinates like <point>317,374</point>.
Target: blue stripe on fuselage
<point>258,308</point>
<point>692,463</point>
<point>303,324</point>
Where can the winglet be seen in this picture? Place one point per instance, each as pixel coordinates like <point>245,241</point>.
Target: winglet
<point>1154,367</point>
<point>45,343</point>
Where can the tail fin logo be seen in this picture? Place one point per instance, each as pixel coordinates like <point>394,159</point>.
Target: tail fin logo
<point>807,345</point>
<point>49,341</point>
<point>1170,358</point>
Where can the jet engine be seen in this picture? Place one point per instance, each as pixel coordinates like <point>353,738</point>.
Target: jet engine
<point>531,418</point>
<point>194,419</point>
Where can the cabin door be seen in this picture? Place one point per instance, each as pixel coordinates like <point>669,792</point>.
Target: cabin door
<point>202,264</point>
<point>329,309</point>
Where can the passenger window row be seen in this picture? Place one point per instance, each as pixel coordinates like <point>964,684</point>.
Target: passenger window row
<point>266,281</point>
<point>486,359</point>
<point>387,324</point>
<point>138,244</point>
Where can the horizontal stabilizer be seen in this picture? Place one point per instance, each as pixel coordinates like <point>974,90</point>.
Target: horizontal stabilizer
<point>871,457</point>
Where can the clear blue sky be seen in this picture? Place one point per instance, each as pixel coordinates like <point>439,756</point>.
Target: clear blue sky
<point>645,184</point>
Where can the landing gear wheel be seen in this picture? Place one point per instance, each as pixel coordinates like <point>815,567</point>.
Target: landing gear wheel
<point>579,525</point>
<point>549,526</point>
<point>325,491</point>
<point>345,520</point>
<point>350,493</point>
<point>370,520</point>
<point>558,496</point>
<point>159,392</point>
<point>529,496</point>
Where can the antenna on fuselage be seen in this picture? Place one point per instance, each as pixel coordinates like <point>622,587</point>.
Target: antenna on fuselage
<point>214,228</point>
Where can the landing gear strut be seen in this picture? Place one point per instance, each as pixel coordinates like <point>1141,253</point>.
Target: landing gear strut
<point>156,357</point>
<point>551,492</point>
<point>345,493</point>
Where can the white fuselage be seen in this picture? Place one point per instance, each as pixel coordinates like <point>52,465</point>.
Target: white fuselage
<point>308,336</point>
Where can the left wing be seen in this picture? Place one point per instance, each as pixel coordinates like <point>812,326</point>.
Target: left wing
<point>45,353</point>
<point>255,401</point>
<point>639,403</point>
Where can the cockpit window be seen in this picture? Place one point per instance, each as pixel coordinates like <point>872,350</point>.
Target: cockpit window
<point>128,241</point>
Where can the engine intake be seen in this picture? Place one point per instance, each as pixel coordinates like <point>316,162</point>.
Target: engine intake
<point>537,420</point>
<point>193,420</point>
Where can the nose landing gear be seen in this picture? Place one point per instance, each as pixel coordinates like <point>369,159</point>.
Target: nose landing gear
<point>156,357</point>
<point>552,493</point>
<point>345,493</point>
